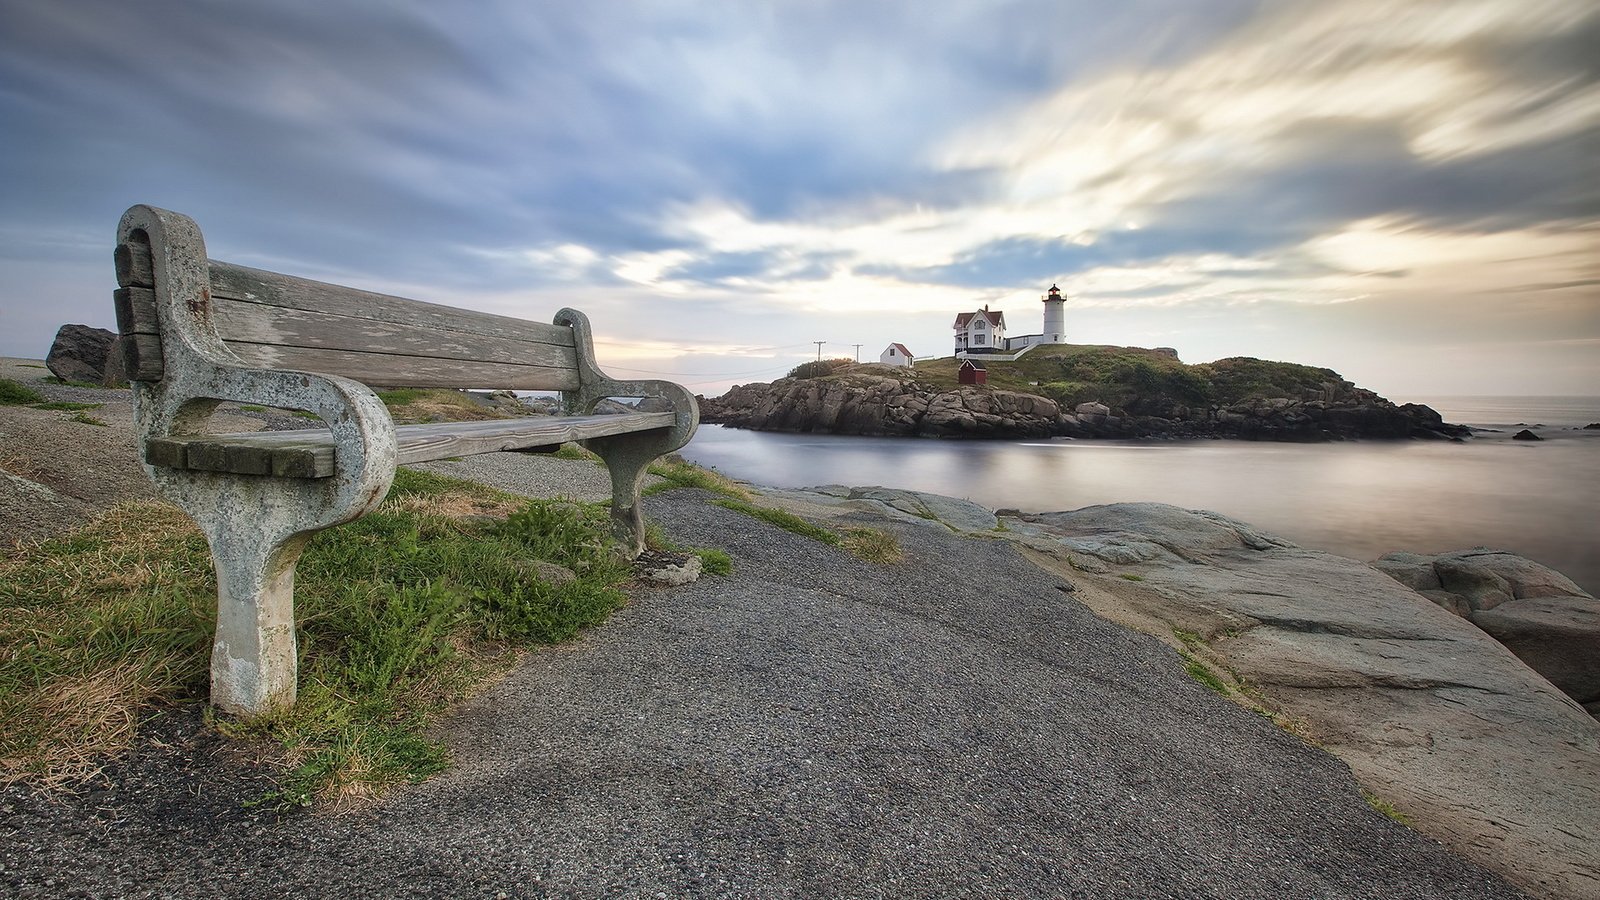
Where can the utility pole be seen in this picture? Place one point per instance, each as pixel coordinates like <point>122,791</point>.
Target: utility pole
<point>858,352</point>
<point>819,349</point>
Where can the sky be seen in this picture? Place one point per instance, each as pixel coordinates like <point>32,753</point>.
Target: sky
<point>1406,192</point>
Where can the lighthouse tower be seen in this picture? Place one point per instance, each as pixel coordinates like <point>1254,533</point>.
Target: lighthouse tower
<point>1055,331</point>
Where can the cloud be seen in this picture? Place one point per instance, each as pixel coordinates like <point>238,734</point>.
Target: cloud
<point>711,170</point>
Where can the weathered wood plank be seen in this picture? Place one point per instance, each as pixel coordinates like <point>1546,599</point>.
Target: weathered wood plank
<point>420,443</point>
<point>134,266</point>
<point>136,310</point>
<point>258,323</point>
<point>274,289</point>
<point>309,452</point>
<point>406,371</point>
<point>368,351</point>
<point>141,357</point>
<point>310,455</point>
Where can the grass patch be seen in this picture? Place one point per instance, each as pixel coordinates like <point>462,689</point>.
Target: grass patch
<point>573,451</point>
<point>67,407</point>
<point>680,474</point>
<point>77,384</point>
<point>1385,808</point>
<point>713,561</point>
<point>252,407</point>
<point>1202,673</point>
<point>874,546</point>
<point>400,614</point>
<point>86,419</point>
<point>1197,669</point>
<point>1129,576</point>
<point>410,406</point>
<point>32,366</point>
<point>14,393</point>
<point>786,521</point>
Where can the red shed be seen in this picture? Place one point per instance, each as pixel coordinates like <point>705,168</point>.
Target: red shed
<point>972,372</point>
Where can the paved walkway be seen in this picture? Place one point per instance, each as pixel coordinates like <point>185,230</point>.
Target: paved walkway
<point>813,726</point>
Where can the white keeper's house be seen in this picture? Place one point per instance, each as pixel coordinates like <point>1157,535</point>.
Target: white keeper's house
<point>897,355</point>
<point>984,331</point>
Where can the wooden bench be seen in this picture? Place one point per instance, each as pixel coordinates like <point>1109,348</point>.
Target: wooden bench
<point>197,332</point>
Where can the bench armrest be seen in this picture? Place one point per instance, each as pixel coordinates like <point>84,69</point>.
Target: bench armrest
<point>199,371</point>
<point>595,385</point>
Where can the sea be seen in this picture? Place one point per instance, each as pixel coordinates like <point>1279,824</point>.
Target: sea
<point>1359,499</point>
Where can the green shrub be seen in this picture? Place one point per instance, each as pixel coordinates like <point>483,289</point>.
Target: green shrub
<point>820,368</point>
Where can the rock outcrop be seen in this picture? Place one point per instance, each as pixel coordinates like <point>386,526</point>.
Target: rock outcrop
<point>882,405</point>
<point>865,403</point>
<point>79,353</point>
<point>1430,712</point>
<point>1536,612</point>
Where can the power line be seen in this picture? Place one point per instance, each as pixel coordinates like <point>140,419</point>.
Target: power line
<point>700,352</point>
<point>700,374</point>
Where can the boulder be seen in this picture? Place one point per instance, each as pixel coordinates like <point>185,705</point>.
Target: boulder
<point>1539,614</point>
<point>116,373</point>
<point>1558,637</point>
<point>959,515</point>
<point>1526,435</point>
<point>79,353</point>
<point>670,569</point>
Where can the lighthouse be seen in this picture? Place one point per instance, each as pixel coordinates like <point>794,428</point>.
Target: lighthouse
<point>1054,317</point>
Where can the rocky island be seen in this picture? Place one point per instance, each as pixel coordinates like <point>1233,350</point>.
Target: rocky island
<point>1080,391</point>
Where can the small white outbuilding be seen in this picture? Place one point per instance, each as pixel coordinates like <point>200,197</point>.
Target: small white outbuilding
<point>896,355</point>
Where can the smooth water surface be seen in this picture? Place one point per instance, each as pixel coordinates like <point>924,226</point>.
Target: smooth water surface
<point>1356,498</point>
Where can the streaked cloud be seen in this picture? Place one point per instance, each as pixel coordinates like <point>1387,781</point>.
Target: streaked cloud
<point>1225,177</point>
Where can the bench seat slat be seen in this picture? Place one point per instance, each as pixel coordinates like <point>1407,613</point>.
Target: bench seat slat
<point>285,291</point>
<point>309,452</point>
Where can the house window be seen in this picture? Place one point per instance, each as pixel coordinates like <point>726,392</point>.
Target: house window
<point>980,324</point>
<point>891,351</point>
<point>977,339</point>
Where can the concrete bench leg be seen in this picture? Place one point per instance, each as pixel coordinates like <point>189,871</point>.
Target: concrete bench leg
<point>253,659</point>
<point>627,457</point>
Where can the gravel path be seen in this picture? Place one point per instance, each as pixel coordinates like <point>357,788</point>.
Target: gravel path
<point>813,726</point>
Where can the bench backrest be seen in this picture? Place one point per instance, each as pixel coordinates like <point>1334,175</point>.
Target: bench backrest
<point>278,321</point>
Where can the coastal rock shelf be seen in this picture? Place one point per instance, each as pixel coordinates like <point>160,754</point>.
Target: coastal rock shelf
<point>878,400</point>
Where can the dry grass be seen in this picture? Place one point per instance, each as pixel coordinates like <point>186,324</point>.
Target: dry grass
<point>455,505</point>
<point>682,474</point>
<point>409,406</point>
<point>91,640</point>
<point>874,546</point>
